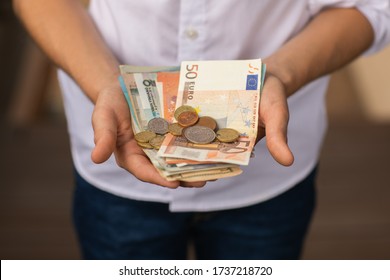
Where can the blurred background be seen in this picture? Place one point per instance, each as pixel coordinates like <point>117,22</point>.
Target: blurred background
<point>352,219</point>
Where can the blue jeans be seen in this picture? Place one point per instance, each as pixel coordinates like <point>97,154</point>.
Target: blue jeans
<point>111,227</point>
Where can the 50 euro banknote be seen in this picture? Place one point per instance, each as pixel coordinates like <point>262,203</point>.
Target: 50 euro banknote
<point>229,91</point>
<point>238,152</point>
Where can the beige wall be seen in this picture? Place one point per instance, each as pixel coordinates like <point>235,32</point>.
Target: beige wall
<point>371,79</point>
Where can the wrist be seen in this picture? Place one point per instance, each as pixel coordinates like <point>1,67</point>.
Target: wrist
<point>93,85</point>
<point>285,72</point>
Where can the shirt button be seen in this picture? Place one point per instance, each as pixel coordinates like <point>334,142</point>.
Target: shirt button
<point>192,33</point>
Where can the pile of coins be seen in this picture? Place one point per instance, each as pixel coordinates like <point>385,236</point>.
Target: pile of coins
<point>196,129</point>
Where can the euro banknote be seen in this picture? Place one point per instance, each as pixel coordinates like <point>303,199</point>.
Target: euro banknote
<point>151,92</point>
<point>229,91</point>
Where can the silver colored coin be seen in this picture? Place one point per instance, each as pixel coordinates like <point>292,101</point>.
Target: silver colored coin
<point>199,134</point>
<point>158,126</point>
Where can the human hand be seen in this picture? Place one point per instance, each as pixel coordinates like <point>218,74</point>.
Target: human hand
<point>273,120</point>
<point>113,134</point>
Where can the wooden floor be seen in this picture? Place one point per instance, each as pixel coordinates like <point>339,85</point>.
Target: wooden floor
<point>352,219</point>
<point>35,194</point>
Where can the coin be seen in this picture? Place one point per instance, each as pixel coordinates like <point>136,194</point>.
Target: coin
<point>157,141</point>
<point>207,122</point>
<point>227,135</point>
<point>181,109</point>
<point>175,129</point>
<point>145,145</point>
<point>199,134</point>
<point>144,136</point>
<point>158,126</point>
<point>187,118</point>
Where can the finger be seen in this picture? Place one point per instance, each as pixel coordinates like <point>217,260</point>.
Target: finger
<point>198,184</point>
<point>141,168</point>
<point>105,135</point>
<point>260,134</point>
<point>276,139</point>
<point>130,157</point>
<point>145,171</point>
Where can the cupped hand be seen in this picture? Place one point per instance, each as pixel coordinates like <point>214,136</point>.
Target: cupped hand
<point>273,120</point>
<point>113,134</point>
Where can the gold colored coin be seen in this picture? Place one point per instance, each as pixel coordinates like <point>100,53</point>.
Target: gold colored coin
<point>175,129</point>
<point>145,145</point>
<point>227,135</point>
<point>182,109</point>
<point>207,122</point>
<point>144,136</point>
<point>187,118</point>
<point>157,141</point>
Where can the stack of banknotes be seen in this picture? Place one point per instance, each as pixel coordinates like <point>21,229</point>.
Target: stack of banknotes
<point>227,91</point>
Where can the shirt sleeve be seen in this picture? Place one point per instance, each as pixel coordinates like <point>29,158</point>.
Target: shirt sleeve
<point>377,13</point>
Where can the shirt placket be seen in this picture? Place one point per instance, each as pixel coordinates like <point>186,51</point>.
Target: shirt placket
<point>192,29</point>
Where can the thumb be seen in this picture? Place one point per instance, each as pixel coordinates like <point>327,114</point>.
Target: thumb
<point>105,134</point>
<point>275,116</point>
<point>276,139</point>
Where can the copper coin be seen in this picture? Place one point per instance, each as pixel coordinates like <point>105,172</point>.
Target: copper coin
<point>175,129</point>
<point>187,118</point>
<point>158,126</point>
<point>144,136</point>
<point>181,109</point>
<point>199,134</point>
<point>207,122</point>
<point>227,135</point>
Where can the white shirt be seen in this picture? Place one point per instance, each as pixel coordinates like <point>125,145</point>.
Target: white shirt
<point>166,32</point>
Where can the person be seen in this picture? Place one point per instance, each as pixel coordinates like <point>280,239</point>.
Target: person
<point>123,209</point>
